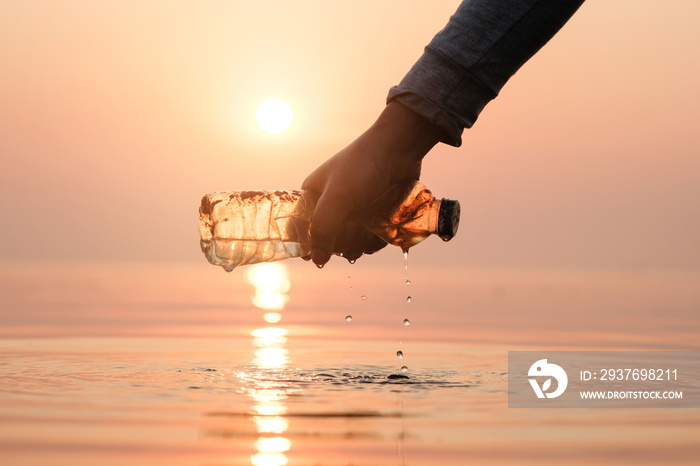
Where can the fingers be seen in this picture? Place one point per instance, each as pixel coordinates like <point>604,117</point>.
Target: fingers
<point>354,240</point>
<point>374,244</point>
<point>357,180</point>
<point>326,225</point>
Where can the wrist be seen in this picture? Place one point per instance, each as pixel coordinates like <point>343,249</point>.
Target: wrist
<point>406,133</point>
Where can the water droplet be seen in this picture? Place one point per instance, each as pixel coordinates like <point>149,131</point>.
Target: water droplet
<point>408,299</point>
<point>320,266</point>
<point>399,354</point>
<point>405,260</point>
<point>406,322</point>
<point>229,270</point>
<point>401,343</point>
<point>352,261</point>
<point>408,282</point>
<point>363,297</point>
<point>348,318</point>
<point>404,369</point>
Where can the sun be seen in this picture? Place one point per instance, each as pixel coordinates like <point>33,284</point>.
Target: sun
<point>274,116</point>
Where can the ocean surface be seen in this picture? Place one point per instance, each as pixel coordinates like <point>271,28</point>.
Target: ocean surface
<point>184,364</point>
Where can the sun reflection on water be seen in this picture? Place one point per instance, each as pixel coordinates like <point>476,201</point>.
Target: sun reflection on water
<point>272,317</point>
<point>269,337</point>
<point>271,358</point>
<point>266,386</point>
<point>268,459</point>
<point>271,424</point>
<point>271,285</point>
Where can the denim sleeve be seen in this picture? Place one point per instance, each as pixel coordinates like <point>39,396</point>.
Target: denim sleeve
<point>469,61</point>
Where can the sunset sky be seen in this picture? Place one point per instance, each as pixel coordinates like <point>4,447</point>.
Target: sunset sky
<point>117,117</point>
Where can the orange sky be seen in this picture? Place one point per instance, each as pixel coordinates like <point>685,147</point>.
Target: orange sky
<point>118,116</point>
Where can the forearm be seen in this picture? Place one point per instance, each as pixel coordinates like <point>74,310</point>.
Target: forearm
<point>470,60</point>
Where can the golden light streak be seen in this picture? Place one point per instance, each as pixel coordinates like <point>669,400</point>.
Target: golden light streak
<point>272,317</point>
<point>268,459</point>
<point>271,285</point>
<point>272,444</point>
<point>271,425</point>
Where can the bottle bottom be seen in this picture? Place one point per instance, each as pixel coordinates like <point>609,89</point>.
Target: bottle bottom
<point>230,253</point>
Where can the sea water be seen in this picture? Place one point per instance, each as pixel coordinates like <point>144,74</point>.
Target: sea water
<point>166,365</point>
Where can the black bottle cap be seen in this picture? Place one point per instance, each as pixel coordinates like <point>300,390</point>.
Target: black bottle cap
<point>448,219</point>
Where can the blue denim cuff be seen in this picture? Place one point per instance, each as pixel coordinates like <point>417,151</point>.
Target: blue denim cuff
<point>443,93</point>
<point>470,60</point>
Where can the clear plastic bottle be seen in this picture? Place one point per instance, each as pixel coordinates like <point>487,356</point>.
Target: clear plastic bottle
<point>247,227</point>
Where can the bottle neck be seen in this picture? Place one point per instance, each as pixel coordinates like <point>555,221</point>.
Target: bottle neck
<point>416,218</point>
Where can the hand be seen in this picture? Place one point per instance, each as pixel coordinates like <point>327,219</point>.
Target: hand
<point>385,158</point>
